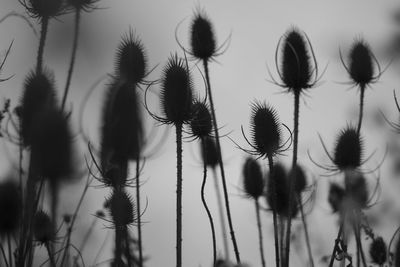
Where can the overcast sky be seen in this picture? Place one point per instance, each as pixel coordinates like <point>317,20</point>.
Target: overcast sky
<point>239,77</point>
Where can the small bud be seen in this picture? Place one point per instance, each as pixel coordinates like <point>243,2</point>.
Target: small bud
<point>336,196</point>
<point>42,227</point>
<point>378,251</point>
<point>253,178</point>
<point>210,153</point>
<point>121,209</point>
<point>200,124</point>
<point>301,180</point>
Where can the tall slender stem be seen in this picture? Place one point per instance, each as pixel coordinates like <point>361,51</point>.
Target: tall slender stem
<point>51,256</point>
<point>179,195</point>
<point>139,223</point>
<point>9,250</point>
<point>271,169</point>
<point>260,237</point>
<point>203,185</point>
<point>293,179</point>
<point>73,56</point>
<point>221,214</point>
<point>221,164</point>
<point>308,243</point>
<point>361,113</point>
<point>337,241</point>
<point>43,35</point>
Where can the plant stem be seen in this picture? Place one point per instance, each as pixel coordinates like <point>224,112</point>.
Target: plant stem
<point>51,256</point>
<point>73,56</point>
<point>361,113</point>
<point>221,164</point>
<point>357,234</point>
<point>4,255</point>
<point>127,247</point>
<point>260,237</point>
<point>271,169</point>
<point>9,250</point>
<point>179,195</point>
<point>308,243</point>
<point>139,223</point>
<point>337,240</point>
<point>221,214</point>
<point>293,180</point>
<point>203,185</point>
<point>43,35</point>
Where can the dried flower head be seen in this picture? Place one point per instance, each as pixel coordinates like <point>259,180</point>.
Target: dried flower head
<point>10,206</point>
<point>209,152</point>
<point>266,137</point>
<point>361,68</point>
<point>202,38</point>
<point>51,149</point>
<point>301,180</point>
<point>335,196</point>
<point>38,94</point>
<point>378,251</point>
<point>85,5</point>
<point>200,123</point>
<point>43,9</point>
<point>121,209</point>
<point>131,61</point>
<point>253,178</point>
<point>348,150</point>
<point>42,227</point>
<point>176,92</point>
<point>298,69</point>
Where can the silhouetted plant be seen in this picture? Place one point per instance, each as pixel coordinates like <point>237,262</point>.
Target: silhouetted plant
<point>378,251</point>
<point>44,233</point>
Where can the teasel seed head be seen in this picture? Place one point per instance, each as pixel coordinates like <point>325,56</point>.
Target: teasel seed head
<point>42,227</point>
<point>176,92</point>
<point>296,68</point>
<point>131,61</point>
<point>278,188</point>
<point>301,180</point>
<point>265,130</point>
<point>200,123</point>
<point>253,179</point>
<point>121,209</point>
<point>43,9</point>
<point>361,68</point>
<point>51,149</point>
<point>210,154</point>
<point>202,38</point>
<point>10,206</point>
<point>378,251</point>
<point>39,93</point>
<point>85,5</point>
<point>356,188</point>
<point>336,196</point>
<point>349,149</point>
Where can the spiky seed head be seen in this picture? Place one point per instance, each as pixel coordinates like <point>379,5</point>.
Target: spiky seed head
<point>253,178</point>
<point>51,149</point>
<point>265,130</point>
<point>122,129</point>
<point>301,181</point>
<point>200,124</point>
<point>361,68</point>
<point>356,188</point>
<point>278,189</point>
<point>115,171</point>
<point>202,37</point>
<point>43,9</point>
<point>121,209</point>
<point>38,94</point>
<point>296,68</point>
<point>378,251</point>
<point>85,5</point>
<point>209,152</point>
<point>131,61</point>
<point>176,92</point>
<point>349,149</point>
<point>335,196</point>
<point>42,227</point>
<point>10,207</point>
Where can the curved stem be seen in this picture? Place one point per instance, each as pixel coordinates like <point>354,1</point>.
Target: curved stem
<point>308,243</point>
<point>293,180</point>
<point>260,237</point>
<point>337,241</point>
<point>271,169</point>
<point>360,118</point>
<point>221,164</point>
<point>203,185</point>
<point>73,56</point>
<point>221,214</point>
<point>43,35</point>
<point>179,195</point>
<point>139,222</point>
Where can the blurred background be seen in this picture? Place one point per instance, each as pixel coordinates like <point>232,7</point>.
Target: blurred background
<point>239,77</point>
